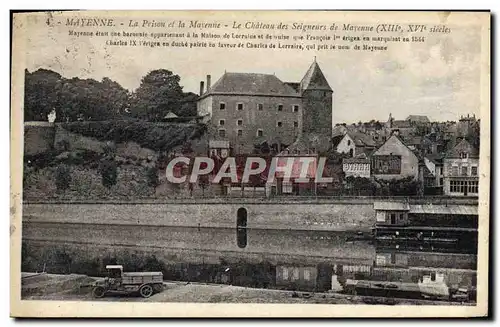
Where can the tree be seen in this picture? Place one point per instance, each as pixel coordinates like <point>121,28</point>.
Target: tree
<point>158,94</point>
<point>188,105</point>
<point>152,176</point>
<point>72,99</point>
<point>63,178</point>
<point>41,90</point>
<point>109,173</point>
<point>88,99</point>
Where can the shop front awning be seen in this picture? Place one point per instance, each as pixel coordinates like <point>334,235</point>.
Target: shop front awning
<point>389,206</point>
<point>441,209</point>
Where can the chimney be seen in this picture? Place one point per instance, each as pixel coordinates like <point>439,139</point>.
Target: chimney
<point>209,79</point>
<point>202,84</point>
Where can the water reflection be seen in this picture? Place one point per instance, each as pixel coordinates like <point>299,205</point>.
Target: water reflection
<point>397,270</point>
<point>310,261</point>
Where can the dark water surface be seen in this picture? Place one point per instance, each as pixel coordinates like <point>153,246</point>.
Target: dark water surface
<point>311,261</point>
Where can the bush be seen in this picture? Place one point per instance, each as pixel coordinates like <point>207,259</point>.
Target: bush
<point>152,175</point>
<point>63,177</point>
<point>155,136</point>
<point>109,173</point>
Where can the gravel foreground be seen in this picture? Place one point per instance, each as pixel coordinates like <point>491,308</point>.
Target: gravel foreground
<point>77,288</point>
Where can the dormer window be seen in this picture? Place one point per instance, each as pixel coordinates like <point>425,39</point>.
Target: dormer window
<point>464,155</point>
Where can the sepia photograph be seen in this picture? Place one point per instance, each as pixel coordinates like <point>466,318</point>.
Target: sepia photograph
<point>295,164</point>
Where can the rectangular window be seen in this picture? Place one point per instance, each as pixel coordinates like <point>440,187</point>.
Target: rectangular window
<point>295,108</point>
<point>287,187</point>
<point>296,273</point>
<point>453,186</point>
<point>295,124</point>
<point>279,124</point>
<point>387,164</point>
<point>473,171</point>
<point>222,122</point>
<point>380,260</point>
<point>464,171</point>
<point>240,132</point>
<point>307,274</point>
<point>239,122</point>
<point>280,107</point>
<point>222,132</point>
<point>260,106</point>
<point>239,106</point>
<point>454,171</point>
<point>285,273</point>
<point>440,181</point>
<point>222,106</point>
<point>260,132</point>
<point>474,186</point>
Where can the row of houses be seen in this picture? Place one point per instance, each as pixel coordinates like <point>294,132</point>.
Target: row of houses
<point>454,172</point>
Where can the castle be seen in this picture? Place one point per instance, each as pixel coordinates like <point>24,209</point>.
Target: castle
<point>247,110</point>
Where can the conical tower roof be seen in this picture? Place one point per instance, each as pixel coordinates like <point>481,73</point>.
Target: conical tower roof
<point>314,79</point>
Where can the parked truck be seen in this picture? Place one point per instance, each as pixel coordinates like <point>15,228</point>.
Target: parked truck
<point>118,281</point>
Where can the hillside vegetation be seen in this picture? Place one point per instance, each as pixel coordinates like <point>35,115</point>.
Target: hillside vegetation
<point>103,159</point>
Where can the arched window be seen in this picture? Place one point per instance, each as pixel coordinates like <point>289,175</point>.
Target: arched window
<point>241,218</point>
<point>241,228</point>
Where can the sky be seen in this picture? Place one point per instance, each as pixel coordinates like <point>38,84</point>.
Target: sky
<point>439,78</point>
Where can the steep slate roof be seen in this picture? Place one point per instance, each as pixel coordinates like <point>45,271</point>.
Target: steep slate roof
<point>251,83</point>
<point>361,139</point>
<point>336,140</point>
<point>401,124</point>
<point>418,118</point>
<point>314,79</point>
<point>414,140</point>
<point>360,158</point>
<point>463,146</point>
<point>399,140</point>
<point>435,158</point>
<point>294,85</point>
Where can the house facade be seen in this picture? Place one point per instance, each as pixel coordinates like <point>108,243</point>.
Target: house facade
<point>248,109</point>
<point>357,167</point>
<point>434,164</point>
<point>394,160</point>
<point>355,144</point>
<point>461,170</point>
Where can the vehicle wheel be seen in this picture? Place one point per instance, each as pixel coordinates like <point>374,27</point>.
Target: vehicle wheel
<point>146,291</point>
<point>98,291</point>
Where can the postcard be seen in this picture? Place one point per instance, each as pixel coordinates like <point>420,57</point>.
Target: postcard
<point>250,164</point>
